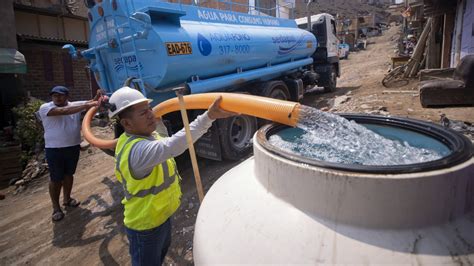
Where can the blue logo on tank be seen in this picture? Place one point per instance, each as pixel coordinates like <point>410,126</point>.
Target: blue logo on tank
<point>294,44</point>
<point>204,45</point>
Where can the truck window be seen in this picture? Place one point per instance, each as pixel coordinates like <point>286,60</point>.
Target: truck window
<point>303,26</point>
<point>333,24</point>
<point>319,30</point>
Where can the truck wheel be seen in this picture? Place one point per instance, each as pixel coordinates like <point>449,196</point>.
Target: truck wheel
<point>330,80</point>
<point>276,90</point>
<point>236,136</point>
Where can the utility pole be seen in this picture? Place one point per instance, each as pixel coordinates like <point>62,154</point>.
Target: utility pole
<point>404,18</point>
<point>308,10</point>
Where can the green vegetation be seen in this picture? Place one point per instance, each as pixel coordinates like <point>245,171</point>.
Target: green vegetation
<point>28,130</point>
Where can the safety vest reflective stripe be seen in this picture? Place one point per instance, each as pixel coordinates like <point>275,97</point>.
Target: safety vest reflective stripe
<point>167,179</point>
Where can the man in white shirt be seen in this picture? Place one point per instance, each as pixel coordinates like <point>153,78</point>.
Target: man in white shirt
<point>62,134</point>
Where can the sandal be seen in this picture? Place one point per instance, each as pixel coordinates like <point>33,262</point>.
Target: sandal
<point>71,203</point>
<point>57,216</point>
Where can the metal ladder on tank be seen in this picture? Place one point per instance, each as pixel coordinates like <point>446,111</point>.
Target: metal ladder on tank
<point>140,79</point>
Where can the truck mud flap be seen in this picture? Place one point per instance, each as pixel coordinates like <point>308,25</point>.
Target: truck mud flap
<point>209,146</point>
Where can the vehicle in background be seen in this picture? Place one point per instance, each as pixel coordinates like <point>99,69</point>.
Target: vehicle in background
<point>343,51</point>
<point>326,56</point>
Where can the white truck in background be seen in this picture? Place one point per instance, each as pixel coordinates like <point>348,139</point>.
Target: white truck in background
<point>326,57</point>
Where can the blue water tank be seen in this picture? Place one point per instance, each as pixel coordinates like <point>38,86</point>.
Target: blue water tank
<point>187,43</point>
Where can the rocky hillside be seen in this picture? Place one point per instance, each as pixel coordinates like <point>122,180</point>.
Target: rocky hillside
<point>346,8</point>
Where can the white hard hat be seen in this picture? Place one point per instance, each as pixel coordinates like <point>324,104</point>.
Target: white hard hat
<point>123,98</point>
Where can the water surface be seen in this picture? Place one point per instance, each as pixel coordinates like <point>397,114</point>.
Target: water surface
<point>332,138</point>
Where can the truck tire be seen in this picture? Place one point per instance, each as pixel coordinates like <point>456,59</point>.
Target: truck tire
<point>330,79</point>
<point>236,135</point>
<point>276,89</point>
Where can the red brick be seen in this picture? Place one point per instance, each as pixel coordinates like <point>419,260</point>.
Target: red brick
<point>34,80</point>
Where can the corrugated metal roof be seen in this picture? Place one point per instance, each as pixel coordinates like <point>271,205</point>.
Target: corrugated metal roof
<point>51,39</point>
<point>55,10</point>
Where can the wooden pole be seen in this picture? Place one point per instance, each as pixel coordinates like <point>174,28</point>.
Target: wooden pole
<point>189,139</point>
<point>433,49</point>
<point>416,58</point>
<point>459,24</point>
<point>356,30</point>
<point>448,29</point>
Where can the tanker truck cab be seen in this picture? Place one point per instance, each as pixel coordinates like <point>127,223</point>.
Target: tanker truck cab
<point>326,56</point>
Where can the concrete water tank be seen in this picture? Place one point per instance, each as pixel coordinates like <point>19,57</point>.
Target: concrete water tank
<point>278,208</point>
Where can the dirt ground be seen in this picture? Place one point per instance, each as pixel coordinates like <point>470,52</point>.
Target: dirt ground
<point>92,234</point>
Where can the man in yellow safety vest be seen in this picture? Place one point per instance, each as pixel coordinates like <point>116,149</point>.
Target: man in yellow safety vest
<point>147,171</point>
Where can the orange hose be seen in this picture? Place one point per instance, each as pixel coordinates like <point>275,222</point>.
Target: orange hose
<point>89,136</point>
<point>280,111</point>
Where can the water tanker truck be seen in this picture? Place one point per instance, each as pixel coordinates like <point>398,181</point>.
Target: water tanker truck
<point>158,45</point>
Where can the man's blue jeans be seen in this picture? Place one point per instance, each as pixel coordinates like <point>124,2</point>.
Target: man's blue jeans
<point>149,247</point>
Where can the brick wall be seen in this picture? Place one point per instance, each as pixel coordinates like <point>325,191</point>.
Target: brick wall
<point>236,6</point>
<point>267,6</point>
<point>48,66</point>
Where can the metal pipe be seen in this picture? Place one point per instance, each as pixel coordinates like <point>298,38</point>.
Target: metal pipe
<point>214,84</point>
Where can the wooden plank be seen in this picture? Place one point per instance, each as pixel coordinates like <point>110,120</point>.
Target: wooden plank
<point>399,60</point>
<point>427,74</point>
<point>433,59</point>
<point>10,160</point>
<point>399,92</point>
<point>10,149</point>
<point>6,167</point>
<point>9,156</point>
<point>448,29</point>
<point>9,176</point>
<point>414,63</point>
<point>12,169</point>
<point>15,172</point>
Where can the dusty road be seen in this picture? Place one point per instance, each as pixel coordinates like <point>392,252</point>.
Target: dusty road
<point>362,92</point>
<point>92,234</point>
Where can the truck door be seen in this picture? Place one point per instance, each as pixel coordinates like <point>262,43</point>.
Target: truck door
<point>332,40</point>
<point>320,31</point>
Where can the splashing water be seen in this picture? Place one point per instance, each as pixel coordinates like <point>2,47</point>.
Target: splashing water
<point>332,138</point>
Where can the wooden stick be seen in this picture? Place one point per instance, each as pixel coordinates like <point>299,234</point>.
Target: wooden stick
<point>189,139</point>
<point>419,49</point>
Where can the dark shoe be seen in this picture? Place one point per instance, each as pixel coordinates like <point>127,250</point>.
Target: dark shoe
<point>57,216</point>
<point>72,203</point>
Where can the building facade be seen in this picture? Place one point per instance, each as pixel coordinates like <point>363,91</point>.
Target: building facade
<point>42,28</point>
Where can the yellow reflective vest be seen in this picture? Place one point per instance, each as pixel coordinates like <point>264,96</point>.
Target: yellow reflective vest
<point>151,200</point>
